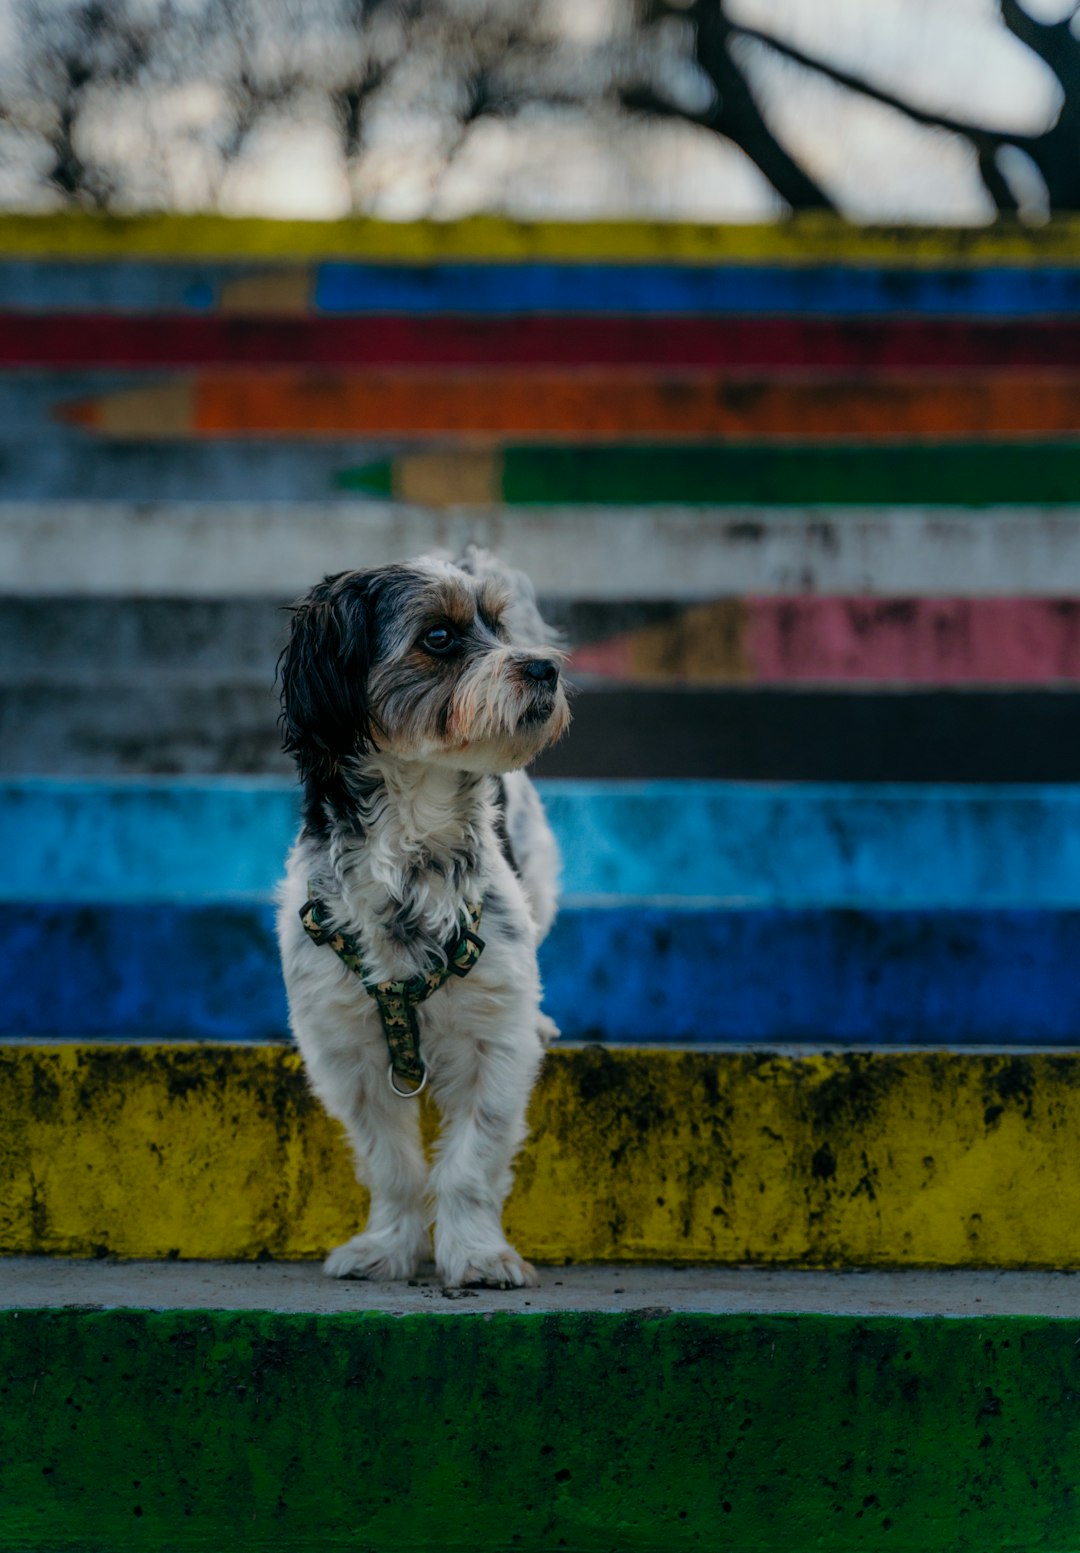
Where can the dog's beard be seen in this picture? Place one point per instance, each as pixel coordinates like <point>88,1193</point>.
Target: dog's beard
<point>491,720</point>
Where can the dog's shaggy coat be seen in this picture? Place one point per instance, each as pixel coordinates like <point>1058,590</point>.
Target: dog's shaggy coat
<point>407,693</point>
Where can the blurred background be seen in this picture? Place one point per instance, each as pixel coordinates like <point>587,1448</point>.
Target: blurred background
<point>706,110</point>
<point>750,329</point>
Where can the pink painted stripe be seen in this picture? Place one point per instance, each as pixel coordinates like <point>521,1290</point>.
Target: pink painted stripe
<point>783,641</point>
<point>913,641</point>
<point>610,659</point>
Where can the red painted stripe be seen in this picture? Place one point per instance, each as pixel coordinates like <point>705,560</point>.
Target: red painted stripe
<point>71,340</point>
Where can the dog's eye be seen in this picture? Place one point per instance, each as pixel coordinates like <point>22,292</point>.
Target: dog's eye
<point>440,640</point>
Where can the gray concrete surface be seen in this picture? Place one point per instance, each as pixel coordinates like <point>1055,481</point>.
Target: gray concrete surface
<point>301,1286</point>
<point>208,550</point>
<point>100,686</point>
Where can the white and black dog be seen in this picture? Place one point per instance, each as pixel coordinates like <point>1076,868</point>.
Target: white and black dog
<point>407,693</point>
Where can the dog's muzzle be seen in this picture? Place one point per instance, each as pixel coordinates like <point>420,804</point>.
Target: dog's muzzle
<point>540,677</point>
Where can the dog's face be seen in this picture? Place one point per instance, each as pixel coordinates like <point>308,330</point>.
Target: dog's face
<point>420,661</point>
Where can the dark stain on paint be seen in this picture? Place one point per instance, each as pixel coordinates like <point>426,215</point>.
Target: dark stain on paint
<point>1013,1082</point>
<point>823,1164</point>
<point>852,1093</point>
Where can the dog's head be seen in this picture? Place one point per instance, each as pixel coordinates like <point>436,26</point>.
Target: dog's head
<point>431,660</point>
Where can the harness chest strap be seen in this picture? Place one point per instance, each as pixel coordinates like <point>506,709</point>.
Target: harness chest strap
<point>397,1000</point>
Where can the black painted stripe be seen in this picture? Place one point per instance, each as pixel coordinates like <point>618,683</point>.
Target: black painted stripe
<point>826,736</point>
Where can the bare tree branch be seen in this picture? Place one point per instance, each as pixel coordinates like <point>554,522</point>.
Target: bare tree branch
<point>1056,153</point>
<point>979,134</point>
<point>995,183</point>
<point>736,113</point>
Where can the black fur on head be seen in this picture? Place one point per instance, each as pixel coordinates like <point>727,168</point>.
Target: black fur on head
<point>323,669</point>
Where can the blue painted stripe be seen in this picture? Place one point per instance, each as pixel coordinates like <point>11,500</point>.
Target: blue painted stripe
<point>39,286</point>
<point>620,973</point>
<point>651,973</point>
<point>341,287</point>
<point>191,972</point>
<point>72,468</point>
<point>840,290</point>
<point>802,844</point>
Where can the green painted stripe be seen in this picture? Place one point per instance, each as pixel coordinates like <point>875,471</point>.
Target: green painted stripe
<point>587,1431</point>
<point>887,1158</point>
<point>964,474</point>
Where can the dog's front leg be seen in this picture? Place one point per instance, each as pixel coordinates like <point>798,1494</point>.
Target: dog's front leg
<point>482,1097</point>
<point>385,1134</point>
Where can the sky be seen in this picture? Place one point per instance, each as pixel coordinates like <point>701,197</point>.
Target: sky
<point>946,56</point>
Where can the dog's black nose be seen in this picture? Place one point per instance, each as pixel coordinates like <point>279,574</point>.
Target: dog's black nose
<point>543,671</point>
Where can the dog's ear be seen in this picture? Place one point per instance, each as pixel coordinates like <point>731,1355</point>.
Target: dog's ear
<point>323,669</point>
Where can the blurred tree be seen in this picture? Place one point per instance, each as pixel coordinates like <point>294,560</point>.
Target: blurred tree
<point>150,103</point>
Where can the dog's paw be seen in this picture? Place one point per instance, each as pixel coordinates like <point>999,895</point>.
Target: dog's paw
<point>547,1029</point>
<point>377,1257</point>
<point>490,1270</point>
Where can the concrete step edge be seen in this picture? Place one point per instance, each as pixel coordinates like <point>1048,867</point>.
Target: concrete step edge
<point>629,1289</point>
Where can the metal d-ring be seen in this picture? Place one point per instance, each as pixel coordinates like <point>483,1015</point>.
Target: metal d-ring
<point>407,1094</point>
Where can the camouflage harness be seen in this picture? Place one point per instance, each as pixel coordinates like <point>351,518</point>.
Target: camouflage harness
<point>397,1000</point>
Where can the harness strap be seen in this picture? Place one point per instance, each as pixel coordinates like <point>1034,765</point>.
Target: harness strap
<point>397,1000</point>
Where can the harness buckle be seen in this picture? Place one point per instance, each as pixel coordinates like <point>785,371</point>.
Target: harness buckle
<point>407,1094</point>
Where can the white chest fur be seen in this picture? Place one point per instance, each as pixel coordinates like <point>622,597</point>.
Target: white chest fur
<point>422,845</point>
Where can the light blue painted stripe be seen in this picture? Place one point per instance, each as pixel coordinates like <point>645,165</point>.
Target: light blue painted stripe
<point>342,287</point>
<point>86,840</point>
<point>817,843</point>
<point>621,972</point>
<point>840,290</point>
<point>795,845</point>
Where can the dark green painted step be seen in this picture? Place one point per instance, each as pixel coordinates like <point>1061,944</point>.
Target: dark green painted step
<point>964,474</point>
<point>595,1430</point>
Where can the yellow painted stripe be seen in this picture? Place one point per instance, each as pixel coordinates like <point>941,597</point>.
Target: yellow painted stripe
<point>887,1158</point>
<point>804,239</point>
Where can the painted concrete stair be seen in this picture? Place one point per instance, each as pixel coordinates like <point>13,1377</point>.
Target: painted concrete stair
<point>615,969</point>
<point>746,688</point>
<point>707,1405</point>
<point>209,1406</point>
<point>190,1406</point>
<point>694,912</point>
<point>947,1158</point>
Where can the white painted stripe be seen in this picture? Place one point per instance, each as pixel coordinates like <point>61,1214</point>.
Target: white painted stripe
<point>277,549</point>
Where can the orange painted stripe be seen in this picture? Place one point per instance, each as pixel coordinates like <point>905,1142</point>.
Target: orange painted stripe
<point>587,404</point>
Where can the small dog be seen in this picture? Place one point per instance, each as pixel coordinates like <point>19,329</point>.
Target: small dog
<point>419,887</point>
